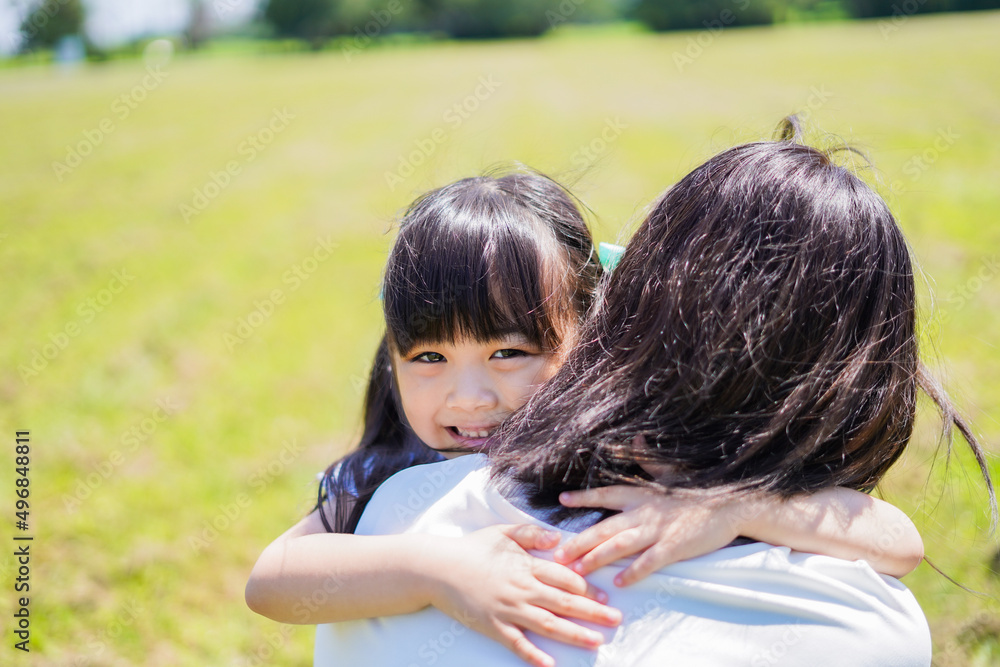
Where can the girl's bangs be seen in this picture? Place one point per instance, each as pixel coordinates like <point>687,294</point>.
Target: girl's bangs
<point>474,280</point>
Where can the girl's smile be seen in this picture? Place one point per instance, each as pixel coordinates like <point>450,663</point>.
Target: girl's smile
<point>471,438</point>
<point>455,395</point>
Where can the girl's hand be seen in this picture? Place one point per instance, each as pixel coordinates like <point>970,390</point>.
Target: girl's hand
<point>836,522</point>
<point>490,583</point>
<point>664,528</point>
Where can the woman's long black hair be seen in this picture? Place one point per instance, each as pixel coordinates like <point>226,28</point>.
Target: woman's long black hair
<point>759,333</point>
<point>478,259</point>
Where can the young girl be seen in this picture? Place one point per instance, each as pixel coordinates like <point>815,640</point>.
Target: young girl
<point>483,293</point>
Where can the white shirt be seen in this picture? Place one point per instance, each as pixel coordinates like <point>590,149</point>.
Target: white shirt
<point>755,605</point>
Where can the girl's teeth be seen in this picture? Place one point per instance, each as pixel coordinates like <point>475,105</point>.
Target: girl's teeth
<point>473,434</point>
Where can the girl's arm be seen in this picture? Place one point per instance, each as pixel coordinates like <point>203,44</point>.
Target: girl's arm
<point>842,523</point>
<point>308,576</point>
<point>485,580</point>
<point>836,522</point>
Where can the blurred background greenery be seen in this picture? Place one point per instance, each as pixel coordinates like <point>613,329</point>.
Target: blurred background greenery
<point>191,244</point>
<point>107,28</point>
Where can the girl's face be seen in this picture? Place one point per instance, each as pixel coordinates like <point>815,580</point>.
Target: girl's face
<point>455,395</point>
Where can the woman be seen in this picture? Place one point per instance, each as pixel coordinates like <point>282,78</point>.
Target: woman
<point>758,336</point>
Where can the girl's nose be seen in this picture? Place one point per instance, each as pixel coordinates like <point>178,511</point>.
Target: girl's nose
<point>472,391</point>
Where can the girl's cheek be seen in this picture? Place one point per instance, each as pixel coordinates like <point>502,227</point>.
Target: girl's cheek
<point>534,378</point>
<point>550,364</point>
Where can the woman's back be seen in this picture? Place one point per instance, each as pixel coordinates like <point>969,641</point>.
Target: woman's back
<point>748,605</point>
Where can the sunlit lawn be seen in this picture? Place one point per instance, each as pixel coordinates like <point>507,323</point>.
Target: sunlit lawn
<point>180,411</point>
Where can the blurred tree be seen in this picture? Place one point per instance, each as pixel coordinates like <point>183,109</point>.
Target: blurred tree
<point>588,11</point>
<point>199,27</point>
<point>968,5</point>
<point>311,20</point>
<point>490,18</point>
<point>50,21</point>
<point>316,20</point>
<point>372,18</point>
<point>863,9</point>
<point>809,10</point>
<point>703,14</point>
<point>597,11</point>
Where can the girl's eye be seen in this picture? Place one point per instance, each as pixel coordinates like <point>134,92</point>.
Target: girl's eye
<point>429,357</point>
<point>508,354</point>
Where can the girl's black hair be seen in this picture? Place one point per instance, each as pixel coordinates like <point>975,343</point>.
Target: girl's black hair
<point>759,333</point>
<point>481,258</point>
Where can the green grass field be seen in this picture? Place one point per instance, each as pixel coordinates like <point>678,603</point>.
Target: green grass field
<point>190,296</point>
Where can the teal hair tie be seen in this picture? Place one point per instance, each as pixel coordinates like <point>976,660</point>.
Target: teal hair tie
<point>610,254</point>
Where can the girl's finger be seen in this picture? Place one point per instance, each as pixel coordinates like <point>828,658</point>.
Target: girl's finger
<point>622,545</point>
<point>655,557</point>
<point>563,578</point>
<point>547,624</point>
<point>667,551</point>
<point>597,534</point>
<point>521,646</point>
<point>529,536</point>
<point>610,497</point>
<point>576,607</point>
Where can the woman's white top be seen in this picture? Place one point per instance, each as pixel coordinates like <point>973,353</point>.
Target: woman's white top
<point>755,605</point>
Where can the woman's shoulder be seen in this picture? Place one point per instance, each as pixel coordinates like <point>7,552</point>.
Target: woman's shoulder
<point>762,567</point>
<point>412,490</point>
<point>434,476</point>
<point>806,604</point>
